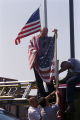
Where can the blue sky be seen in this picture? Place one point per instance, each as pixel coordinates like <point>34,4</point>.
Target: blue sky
<point>14,14</point>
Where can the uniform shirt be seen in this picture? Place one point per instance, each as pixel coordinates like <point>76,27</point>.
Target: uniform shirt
<point>33,113</point>
<point>75,65</point>
<point>50,112</point>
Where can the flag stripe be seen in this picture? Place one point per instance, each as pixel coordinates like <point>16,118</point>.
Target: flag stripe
<point>46,71</point>
<point>32,55</point>
<point>29,33</point>
<point>47,74</point>
<point>31,24</point>
<point>32,59</point>
<point>30,29</point>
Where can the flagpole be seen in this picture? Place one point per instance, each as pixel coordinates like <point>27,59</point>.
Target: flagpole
<point>71,14</point>
<point>56,61</point>
<point>45,22</point>
<point>45,13</point>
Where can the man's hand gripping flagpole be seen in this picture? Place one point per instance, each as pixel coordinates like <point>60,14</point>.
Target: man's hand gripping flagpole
<point>56,61</point>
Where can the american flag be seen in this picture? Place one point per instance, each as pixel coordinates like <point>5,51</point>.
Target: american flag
<point>32,26</point>
<point>44,64</point>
